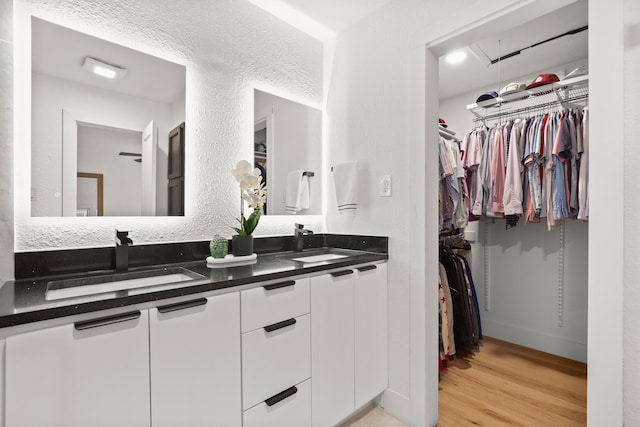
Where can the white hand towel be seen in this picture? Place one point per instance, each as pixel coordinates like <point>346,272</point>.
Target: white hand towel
<point>297,192</point>
<point>345,178</point>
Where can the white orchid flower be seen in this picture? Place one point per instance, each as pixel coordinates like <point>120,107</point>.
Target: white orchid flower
<point>253,192</point>
<point>250,182</point>
<point>243,168</point>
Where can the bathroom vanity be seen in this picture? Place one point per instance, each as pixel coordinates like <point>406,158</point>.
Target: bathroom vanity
<point>281,342</point>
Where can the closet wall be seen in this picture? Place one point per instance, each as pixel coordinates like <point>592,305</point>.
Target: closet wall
<point>531,282</point>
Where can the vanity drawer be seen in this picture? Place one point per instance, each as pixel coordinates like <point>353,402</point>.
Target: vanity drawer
<point>273,361</point>
<point>292,411</point>
<point>273,303</point>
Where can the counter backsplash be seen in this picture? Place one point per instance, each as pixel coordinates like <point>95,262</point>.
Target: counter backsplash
<point>69,261</point>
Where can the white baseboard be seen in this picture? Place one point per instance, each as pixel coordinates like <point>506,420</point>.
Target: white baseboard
<point>397,405</point>
<point>533,339</point>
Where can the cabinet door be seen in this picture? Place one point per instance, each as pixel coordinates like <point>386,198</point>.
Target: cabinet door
<point>332,348</point>
<point>370,289</point>
<point>195,363</point>
<point>87,374</point>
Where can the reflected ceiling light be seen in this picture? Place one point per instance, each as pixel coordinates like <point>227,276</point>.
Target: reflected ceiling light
<point>295,18</point>
<point>103,69</point>
<point>456,57</point>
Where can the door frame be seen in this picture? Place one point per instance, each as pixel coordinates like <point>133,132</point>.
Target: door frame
<point>605,283</point>
<point>100,187</point>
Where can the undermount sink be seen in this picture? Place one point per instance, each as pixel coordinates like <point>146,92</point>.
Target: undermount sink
<point>319,258</point>
<point>319,255</point>
<point>83,286</point>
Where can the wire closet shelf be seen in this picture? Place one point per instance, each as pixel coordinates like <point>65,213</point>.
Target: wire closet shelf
<point>567,93</point>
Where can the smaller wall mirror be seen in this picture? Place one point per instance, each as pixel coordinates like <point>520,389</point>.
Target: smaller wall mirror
<point>102,117</point>
<point>288,151</point>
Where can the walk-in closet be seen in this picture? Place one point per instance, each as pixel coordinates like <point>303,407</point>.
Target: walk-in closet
<point>513,196</point>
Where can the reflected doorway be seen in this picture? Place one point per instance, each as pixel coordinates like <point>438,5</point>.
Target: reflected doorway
<point>90,194</point>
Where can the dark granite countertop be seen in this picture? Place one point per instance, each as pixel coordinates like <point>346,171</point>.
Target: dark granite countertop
<point>23,301</point>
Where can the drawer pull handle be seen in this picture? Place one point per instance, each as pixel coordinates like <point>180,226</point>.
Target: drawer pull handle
<point>104,321</point>
<point>182,305</point>
<point>367,268</point>
<point>280,325</point>
<point>279,285</point>
<point>342,273</point>
<point>281,396</point>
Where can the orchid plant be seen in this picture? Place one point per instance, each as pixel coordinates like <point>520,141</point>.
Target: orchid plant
<point>253,192</point>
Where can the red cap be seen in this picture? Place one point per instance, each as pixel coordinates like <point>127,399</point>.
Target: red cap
<point>543,79</point>
<point>442,122</point>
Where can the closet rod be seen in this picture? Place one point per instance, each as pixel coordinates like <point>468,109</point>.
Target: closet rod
<point>519,51</point>
<point>531,108</point>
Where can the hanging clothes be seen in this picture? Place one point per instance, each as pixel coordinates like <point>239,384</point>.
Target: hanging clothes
<point>532,168</point>
<point>465,313</point>
<point>453,193</point>
<point>583,176</point>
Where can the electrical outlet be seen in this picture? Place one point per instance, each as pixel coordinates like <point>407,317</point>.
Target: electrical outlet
<point>385,186</point>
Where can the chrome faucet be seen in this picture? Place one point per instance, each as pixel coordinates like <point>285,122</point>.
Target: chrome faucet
<point>298,232</point>
<point>122,250</point>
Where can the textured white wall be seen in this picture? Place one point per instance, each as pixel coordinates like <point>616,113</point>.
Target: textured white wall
<point>368,112</point>
<point>6,141</point>
<point>229,47</point>
<point>631,245</point>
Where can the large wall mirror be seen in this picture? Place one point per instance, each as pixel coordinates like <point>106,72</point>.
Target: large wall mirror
<point>106,123</point>
<point>288,151</point>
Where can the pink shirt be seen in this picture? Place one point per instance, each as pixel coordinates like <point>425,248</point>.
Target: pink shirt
<point>498,171</point>
<point>512,196</point>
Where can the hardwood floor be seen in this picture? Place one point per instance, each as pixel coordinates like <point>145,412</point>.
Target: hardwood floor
<point>508,385</point>
<point>503,385</point>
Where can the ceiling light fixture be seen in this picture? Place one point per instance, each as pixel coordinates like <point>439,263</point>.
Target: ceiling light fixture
<point>103,69</point>
<point>456,57</point>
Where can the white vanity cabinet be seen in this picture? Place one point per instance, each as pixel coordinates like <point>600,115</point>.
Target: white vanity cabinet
<point>91,373</point>
<point>291,353</point>
<point>332,344</point>
<point>348,341</point>
<point>371,332</point>
<point>195,362</point>
<point>276,355</point>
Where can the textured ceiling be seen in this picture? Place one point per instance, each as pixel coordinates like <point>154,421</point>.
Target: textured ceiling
<point>337,14</point>
<point>474,74</point>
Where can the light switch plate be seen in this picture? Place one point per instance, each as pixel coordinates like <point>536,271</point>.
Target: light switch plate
<point>385,186</point>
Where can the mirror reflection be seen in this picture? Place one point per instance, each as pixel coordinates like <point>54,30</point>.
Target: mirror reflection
<point>288,151</point>
<point>106,123</point>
